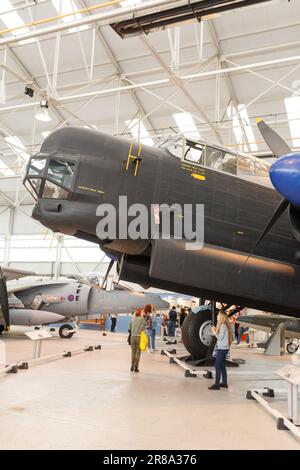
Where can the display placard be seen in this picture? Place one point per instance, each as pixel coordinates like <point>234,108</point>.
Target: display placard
<point>35,335</point>
<point>290,373</point>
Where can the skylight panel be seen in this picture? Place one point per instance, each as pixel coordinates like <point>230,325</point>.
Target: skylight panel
<point>237,130</point>
<point>45,134</point>
<point>64,7</point>
<point>17,146</point>
<point>129,3</point>
<point>5,170</point>
<point>139,132</point>
<point>248,128</point>
<point>292,106</point>
<point>187,125</point>
<point>11,19</point>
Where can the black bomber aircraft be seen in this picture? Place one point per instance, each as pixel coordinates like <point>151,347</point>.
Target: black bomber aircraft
<point>251,251</point>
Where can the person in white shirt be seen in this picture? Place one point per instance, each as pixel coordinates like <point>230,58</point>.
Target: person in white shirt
<point>224,334</point>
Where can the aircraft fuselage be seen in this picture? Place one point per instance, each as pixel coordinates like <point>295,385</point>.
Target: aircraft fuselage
<point>236,212</point>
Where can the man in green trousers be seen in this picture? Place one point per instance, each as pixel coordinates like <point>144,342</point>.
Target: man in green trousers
<point>136,326</point>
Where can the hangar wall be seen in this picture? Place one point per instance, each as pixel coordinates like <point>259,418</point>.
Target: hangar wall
<point>26,244</point>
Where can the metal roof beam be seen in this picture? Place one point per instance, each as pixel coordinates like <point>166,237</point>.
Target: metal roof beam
<point>178,82</point>
<point>100,18</point>
<point>229,83</point>
<point>120,72</point>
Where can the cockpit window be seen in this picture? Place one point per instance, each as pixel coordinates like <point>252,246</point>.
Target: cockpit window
<point>53,191</point>
<point>194,152</point>
<point>36,183</point>
<point>30,189</point>
<point>37,166</point>
<point>175,145</point>
<point>50,178</point>
<point>61,172</point>
<point>221,160</point>
<point>214,158</point>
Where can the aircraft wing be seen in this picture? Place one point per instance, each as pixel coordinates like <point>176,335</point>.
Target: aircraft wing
<point>13,288</point>
<point>11,273</point>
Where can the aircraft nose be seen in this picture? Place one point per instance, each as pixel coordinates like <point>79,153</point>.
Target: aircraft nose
<point>45,215</point>
<point>159,303</point>
<point>36,212</point>
<point>163,304</point>
<point>285,177</point>
<point>57,215</point>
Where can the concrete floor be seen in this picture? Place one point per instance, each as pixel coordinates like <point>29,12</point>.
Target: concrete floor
<point>92,401</point>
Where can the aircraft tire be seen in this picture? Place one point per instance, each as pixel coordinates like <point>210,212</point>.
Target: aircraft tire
<point>292,348</point>
<point>194,333</point>
<point>63,332</point>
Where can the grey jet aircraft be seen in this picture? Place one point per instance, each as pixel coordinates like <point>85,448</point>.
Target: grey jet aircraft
<point>34,301</point>
<point>246,259</point>
<point>269,322</point>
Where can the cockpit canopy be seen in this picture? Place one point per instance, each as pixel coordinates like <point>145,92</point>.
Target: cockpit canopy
<point>221,159</point>
<point>50,177</point>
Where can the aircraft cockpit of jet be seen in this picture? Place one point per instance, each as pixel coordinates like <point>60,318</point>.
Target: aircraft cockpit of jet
<point>50,178</point>
<point>218,158</point>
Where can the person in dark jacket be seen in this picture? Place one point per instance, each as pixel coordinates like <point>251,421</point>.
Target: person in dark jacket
<point>182,315</point>
<point>172,321</point>
<point>113,317</point>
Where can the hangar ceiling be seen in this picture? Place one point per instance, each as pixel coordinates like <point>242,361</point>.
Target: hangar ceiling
<point>208,78</point>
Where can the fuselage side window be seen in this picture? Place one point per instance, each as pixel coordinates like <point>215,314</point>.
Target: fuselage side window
<point>252,167</point>
<point>230,163</point>
<point>220,160</point>
<point>214,158</point>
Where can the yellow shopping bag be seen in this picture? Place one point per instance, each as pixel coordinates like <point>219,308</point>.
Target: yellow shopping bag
<point>143,341</point>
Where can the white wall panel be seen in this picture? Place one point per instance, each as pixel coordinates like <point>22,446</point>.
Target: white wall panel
<point>4,217</point>
<point>25,224</point>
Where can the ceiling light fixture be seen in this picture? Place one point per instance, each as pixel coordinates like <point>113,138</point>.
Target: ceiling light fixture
<point>29,91</point>
<point>43,114</point>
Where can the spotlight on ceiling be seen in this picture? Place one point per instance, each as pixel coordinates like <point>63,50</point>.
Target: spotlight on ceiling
<point>29,91</point>
<point>43,114</point>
